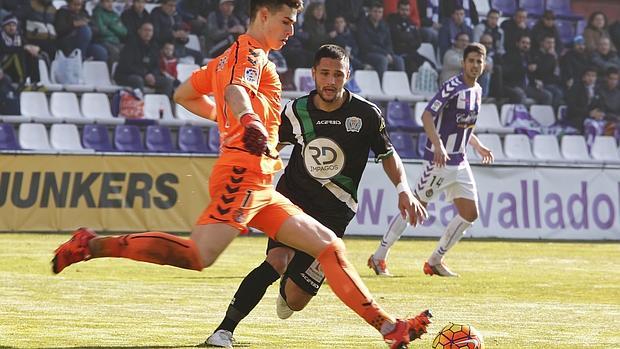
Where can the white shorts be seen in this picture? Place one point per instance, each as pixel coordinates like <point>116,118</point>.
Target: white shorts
<point>456,181</point>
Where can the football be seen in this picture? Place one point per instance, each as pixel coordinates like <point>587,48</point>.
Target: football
<point>458,336</point>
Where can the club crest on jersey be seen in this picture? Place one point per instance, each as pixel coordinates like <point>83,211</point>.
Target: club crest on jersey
<point>251,75</point>
<point>436,105</point>
<point>429,193</point>
<point>353,124</point>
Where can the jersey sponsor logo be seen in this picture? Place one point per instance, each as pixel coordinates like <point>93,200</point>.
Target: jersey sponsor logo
<point>329,122</point>
<point>323,158</point>
<point>436,105</point>
<point>353,124</point>
<point>466,119</point>
<point>251,75</point>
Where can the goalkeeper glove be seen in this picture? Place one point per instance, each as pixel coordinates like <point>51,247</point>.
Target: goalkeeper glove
<point>255,135</point>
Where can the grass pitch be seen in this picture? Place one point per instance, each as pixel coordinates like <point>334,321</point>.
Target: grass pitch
<point>518,295</point>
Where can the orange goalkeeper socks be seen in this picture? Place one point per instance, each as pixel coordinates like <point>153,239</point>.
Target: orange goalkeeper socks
<point>151,247</point>
<point>347,285</point>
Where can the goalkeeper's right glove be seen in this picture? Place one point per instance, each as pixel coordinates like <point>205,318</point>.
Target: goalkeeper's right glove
<point>255,135</point>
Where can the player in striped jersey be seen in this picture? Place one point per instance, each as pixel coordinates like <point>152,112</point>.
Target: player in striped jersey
<point>449,121</point>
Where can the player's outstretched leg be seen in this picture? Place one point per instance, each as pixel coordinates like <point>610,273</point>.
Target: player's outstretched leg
<point>454,232</point>
<point>378,260</point>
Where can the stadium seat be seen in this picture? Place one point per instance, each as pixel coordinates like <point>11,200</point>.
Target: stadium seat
<point>370,85</point>
<point>33,136</point>
<point>66,137</point>
<point>396,85</point>
<point>562,113</point>
<point>546,147</point>
<point>543,114</point>
<point>97,74</point>
<point>283,103</point>
<point>192,139</point>
<point>127,138</point>
<point>567,30</point>
<point>493,142</point>
<point>421,145</point>
<point>34,105</point>
<point>302,78</point>
<point>157,107</point>
<point>488,120</point>
<point>471,153</point>
<point>44,77</point>
<point>507,7</point>
<point>193,42</point>
<point>420,93</point>
<point>483,7</point>
<point>604,149</point>
<point>574,147</point>
<point>96,137</point>
<point>150,6</point>
<point>96,105</point>
<point>158,138</point>
<point>533,7</point>
<point>65,106</point>
<point>185,70</point>
<point>418,111</point>
<point>562,9</point>
<point>8,138</point>
<point>59,3</point>
<point>427,51</point>
<point>213,143</point>
<point>399,115</point>
<point>78,87</point>
<point>404,145</point>
<point>190,118</point>
<point>517,147</point>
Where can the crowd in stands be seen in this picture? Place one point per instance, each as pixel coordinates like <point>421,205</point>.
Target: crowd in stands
<point>529,60</point>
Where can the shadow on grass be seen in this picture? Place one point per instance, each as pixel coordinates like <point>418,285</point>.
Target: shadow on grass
<point>237,345</point>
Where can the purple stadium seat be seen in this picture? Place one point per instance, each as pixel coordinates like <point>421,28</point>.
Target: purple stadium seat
<point>507,7</point>
<point>562,9</point>
<point>533,7</point>
<point>421,144</point>
<point>399,115</point>
<point>96,137</point>
<point>159,139</point>
<point>403,143</point>
<point>306,83</point>
<point>8,139</point>
<point>213,144</point>
<point>192,139</point>
<point>127,138</point>
<point>566,29</point>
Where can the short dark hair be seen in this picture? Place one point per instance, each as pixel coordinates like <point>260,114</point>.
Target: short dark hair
<point>457,8</point>
<point>376,3</point>
<point>403,2</point>
<point>612,70</point>
<point>589,69</point>
<point>494,10</point>
<point>330,51</point>
<point>273,5</point>
<point>475,47</point>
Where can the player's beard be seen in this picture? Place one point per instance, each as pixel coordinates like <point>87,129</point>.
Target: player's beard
<point>336,97</point>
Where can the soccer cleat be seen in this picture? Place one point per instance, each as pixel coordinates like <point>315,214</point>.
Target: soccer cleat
<point>379,266</point>
<point>282,308</point>
<point>408,330</point>
<point>220,339</point>
<point>73,251</point>
<point>438,269</point>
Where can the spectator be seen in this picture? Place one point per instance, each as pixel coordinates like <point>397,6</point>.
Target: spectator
<point>546,27</point>
<point>168,63</point>
<point>9,97</point>
<point>376,42</point>
<point>195,13</point>
<point>405,37</point>
<point>429,18</point>
<point>610,96</point>
<point>344,38</point>
<point>139,63</point>
<point>547,73</point>
<point>574,62</point>
<point>110,29</point>
<point>446,9</point>
<point>604,58</point>
<point>133,18</point>
<point>519,82</point>
<point>223,28</point>
<point>595,31</point>
<point>295,54</point>
<point>453,59</point>
<point>614,32</point>
<point>352,10</point>
<point>166,22</point>
<point>515,28</point>
<point>391,6</point>
<point>242,11</point>
<point>181,50</point>
<point>39,17</point>
<point>583,100</point>
<point>315,28</point>
<point>491,79</point>
<point>19,60</point>
<point>491,26</point>
<point>74,31</point>
<point>451,27</point>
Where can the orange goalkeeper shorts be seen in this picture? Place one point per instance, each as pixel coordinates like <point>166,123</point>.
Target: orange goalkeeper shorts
<point>241,198</point>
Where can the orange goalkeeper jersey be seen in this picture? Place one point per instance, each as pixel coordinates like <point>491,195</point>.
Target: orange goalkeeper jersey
<point>244,64</point>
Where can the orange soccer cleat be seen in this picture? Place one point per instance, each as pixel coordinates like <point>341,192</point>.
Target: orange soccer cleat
<point>408,330</point>
<point>438,269</point>
<point>73,251</point>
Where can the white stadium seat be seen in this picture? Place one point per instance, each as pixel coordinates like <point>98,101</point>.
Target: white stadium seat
<point>369,84</point>
<point>543,114</point>
<point>44,77</point>
<point>185,70</point>
<point>418,111</point>
<point>396,86</point>
<point>157,107</point>
<point>98,75</point>
<point>574,148</point>
<point>97,106</point>
<point>66,137</point>
<point>488,120</point>
<point>34,105</point>
<point>604,149</point>
<point>506,113</point>
<point>190,118</point>
<point>65,106</point>
<point>517,147</point>
<point>546,147</point>
<point>494,143</point>
<point>33,137</point>
<point>193,43</point>
<point>428,51</point>
<point>79,87</point>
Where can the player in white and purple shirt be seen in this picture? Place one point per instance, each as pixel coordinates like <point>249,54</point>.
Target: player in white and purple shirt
<point>449,121</point>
